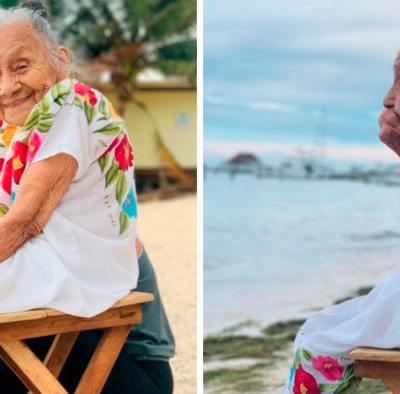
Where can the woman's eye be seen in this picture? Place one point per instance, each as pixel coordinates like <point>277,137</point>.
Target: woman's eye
<point>22,67</point>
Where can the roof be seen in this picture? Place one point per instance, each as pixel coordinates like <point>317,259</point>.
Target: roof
<point>244,158</point>
<point>147,79</point>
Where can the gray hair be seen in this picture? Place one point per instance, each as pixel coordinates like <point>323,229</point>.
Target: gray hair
<point>35,14</point>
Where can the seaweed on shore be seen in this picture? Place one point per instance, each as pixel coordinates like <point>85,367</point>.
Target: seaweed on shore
<point>238,379</point>
<point>358,293</point>
<point>241,346</point>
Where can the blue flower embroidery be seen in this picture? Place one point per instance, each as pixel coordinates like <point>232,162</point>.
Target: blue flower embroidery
<point>291,376</point>
<point>12,198</point>
<point>129,205</point>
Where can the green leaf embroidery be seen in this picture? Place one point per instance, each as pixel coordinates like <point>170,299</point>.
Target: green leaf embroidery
<point>46,116</point>
<point>89,111</point>
<point>348,373</point>
<point>307,354</point>
<point>78,102</point>
<point>103,161</point>
<point>327,387</point>
<point>348,386</point>
<point>27,137</point>
<point>112,174</point>
<point>32,120</point>
<point>122,186</point>
<point>3,210</point>
<point>111,129</point>
<point>58,91</point>
<point>103,109</point>
<point>44,127</point>
<point>297,358</point>
<point>44,104</point>
<point>123,222</point>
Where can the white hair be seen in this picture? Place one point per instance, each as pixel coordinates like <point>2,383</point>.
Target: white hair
<point>35,14</point>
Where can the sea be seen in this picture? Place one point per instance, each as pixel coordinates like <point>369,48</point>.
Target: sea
<point>280,249</point>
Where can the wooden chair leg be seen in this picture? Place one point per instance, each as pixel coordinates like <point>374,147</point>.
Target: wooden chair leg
<point>30,370</point>
<point>103,360</point>
<point>59,352</point>
<point>394,386</point>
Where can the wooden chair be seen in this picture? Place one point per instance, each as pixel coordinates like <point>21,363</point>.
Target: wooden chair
<point>41,377</point>
<point>378,364</point>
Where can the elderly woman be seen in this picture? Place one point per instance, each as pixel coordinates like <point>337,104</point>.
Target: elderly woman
<point>68,207</point>
<point>321,347</point>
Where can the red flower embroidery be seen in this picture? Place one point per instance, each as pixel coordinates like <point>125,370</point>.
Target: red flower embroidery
<point>1,165</point>
<point>329,367</point>
<point>34,144</point>
<point>86,92</point>
<point>305,383</point>
<point>124,154</point>
<point>111,147</point>
<point>7,176</point>
<point>1,122</point>
<point>19,160</point>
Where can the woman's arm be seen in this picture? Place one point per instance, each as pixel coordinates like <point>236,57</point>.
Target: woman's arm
<point>41,189</point>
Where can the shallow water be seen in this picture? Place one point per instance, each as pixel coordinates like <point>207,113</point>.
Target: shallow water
<point>275,249</point>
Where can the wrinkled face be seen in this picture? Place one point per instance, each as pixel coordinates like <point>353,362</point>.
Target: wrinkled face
<point>26,70</point>
<point>392,97</point>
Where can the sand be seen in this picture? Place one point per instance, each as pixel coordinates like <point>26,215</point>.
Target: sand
<point>168,229</point>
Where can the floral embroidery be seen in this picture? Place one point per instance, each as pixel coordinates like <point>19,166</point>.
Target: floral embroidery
<point>8,134</point>
<point>86,92</point>
<point>129,205</point>
<point>342,379</point>
<point>113,113</point>
<point>34,144</point>
<point>329,367</point>
<point>305,383</point>
<point>19,160</point>
<point>7,176</point>
<point>124,154</point>
<point>121,160</point>
<point>19,145</point>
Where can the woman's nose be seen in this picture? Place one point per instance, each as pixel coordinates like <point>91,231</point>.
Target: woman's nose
<point>8,86</point>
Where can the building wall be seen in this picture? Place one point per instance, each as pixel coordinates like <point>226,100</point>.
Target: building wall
<point>175,112</point>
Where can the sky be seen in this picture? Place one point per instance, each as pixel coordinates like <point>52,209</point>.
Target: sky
<point>294,78</point>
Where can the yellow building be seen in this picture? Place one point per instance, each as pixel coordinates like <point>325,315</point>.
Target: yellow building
<point>172,110</point>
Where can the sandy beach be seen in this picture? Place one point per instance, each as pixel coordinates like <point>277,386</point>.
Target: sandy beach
<point>169,231</point>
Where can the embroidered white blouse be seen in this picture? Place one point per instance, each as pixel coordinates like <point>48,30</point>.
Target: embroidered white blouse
<point>84,260</point>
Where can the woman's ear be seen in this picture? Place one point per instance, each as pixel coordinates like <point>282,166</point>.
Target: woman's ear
<point>63,55</point>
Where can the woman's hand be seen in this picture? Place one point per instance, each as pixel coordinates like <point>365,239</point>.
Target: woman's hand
<point>41,189</point>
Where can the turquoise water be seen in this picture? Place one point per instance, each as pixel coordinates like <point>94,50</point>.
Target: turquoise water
<point>275,249</point>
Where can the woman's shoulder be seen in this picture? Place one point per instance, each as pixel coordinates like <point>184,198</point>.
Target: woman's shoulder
<point>95,104</point>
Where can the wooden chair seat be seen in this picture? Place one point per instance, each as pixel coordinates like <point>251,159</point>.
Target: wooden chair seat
<point>41,377</point>
<point>376,363</point>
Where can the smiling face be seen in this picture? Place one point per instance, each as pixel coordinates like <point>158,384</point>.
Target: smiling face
<point>27,71</point>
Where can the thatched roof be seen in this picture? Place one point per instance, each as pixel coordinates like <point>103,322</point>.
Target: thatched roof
<point>244,158</point>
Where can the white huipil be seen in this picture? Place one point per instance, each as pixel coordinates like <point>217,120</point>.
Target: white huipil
<point>323,343</point>
<point>85,259</point>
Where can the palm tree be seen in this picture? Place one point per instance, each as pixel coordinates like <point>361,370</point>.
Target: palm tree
<point>126,37</point>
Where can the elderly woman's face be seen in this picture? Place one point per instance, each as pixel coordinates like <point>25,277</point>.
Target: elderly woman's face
<point>26,71</point>
<point>389,121</point>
